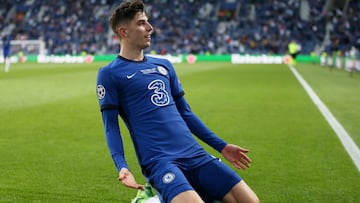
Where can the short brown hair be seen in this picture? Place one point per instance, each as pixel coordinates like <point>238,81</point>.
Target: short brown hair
<point>125,12</point>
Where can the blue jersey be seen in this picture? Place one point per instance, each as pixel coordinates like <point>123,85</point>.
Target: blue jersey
<point>6,46</point>
<point>149,98</point>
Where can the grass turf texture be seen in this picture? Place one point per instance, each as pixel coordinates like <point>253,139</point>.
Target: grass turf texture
<point>52,145</point>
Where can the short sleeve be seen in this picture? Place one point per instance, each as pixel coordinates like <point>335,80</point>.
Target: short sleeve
<point>106,90</point>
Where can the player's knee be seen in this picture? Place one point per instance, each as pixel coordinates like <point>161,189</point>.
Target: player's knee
<point>254,199</point>
<point>187,196</point>
<point>240,193</point>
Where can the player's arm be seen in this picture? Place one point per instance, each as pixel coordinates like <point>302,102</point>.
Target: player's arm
<point>234,154</point>
<point>107,93</point>
<point>108,100</point>
<point>197,127</point>
<point>115,145</point>
<point>113,137</point>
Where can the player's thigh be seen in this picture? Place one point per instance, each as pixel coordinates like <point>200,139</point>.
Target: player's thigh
<point>187,196</point>
<point>241,192</point>
<point>168,180</point>
<point>213,180</point>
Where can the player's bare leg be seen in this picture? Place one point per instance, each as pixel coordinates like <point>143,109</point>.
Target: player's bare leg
<point>7,64</point>
<point>241,193</point>
<point>187,196</point>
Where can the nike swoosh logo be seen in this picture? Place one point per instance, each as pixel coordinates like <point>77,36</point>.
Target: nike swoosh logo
<point>131,76</point>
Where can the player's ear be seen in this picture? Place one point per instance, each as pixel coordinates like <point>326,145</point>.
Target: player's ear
<point>122,32</point>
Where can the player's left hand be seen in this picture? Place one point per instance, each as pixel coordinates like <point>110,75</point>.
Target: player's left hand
<point>236,156</point>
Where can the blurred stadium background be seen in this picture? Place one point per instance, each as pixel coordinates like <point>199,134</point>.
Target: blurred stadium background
<point>189,26</point>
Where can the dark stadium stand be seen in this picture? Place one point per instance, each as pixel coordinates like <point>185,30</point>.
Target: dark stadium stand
<point>187,26</point>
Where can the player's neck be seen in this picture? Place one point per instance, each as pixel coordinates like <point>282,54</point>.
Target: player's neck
<point>132,54</point>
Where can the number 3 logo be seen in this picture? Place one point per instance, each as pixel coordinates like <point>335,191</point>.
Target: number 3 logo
<point>160,96</point>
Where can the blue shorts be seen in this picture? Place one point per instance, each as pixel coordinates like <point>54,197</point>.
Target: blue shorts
<point>212,180</point>
<point>6,52</point>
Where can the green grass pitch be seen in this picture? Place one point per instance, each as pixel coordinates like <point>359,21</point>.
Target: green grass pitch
<point>52,145</point>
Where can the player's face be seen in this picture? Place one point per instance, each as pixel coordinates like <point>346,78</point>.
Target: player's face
<point>139,31</point>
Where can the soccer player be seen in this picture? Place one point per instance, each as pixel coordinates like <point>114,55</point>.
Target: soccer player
<point>294,50</point>
<point>6,51</point>
<point>147,94</point>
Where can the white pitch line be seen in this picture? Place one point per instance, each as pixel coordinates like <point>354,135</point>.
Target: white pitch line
<point>351,148</point>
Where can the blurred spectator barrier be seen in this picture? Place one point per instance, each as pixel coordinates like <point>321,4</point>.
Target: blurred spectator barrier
<point>231,58</point>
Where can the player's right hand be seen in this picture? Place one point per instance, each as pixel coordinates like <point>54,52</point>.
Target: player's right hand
<point>127,179</point>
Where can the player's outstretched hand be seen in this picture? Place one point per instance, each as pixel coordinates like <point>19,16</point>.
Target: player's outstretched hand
<point>127,178</point>
<point>236,156</point>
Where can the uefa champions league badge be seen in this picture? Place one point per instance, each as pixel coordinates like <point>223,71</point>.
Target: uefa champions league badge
<point>162,70</point>
<point>100,90</point>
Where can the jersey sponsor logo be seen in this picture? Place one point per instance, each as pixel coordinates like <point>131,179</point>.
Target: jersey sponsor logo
<point>100,90</point>
<point>160,96</point>
<point>162,70</point>
<point>168,178</point>
<point>130,76</point>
